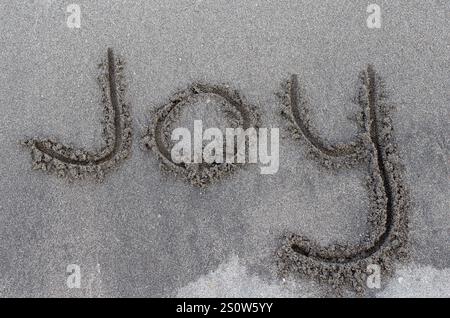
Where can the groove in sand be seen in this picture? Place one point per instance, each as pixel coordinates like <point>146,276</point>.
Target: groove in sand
<point>153,137</point>
<point>388,222</point>
<point>49,155</point>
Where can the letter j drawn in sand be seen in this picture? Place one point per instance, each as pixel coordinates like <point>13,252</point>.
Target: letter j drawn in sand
<point>67,162</point>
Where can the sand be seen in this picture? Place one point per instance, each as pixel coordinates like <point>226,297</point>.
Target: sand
<point>68,163</point>
<point>388,216</point>
<point>142,232</point>
<point>167,118</point>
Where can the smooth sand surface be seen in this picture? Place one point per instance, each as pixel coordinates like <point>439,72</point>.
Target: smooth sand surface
<point>145,233</point>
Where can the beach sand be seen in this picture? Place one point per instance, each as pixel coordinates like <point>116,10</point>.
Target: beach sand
<point>144,232</point>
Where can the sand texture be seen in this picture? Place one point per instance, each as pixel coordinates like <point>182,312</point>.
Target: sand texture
<point>364,148</point>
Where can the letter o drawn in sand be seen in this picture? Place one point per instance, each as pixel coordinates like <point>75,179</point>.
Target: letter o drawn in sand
<point>67,162</point>
<point>157,135</point>
<point>375,146</point>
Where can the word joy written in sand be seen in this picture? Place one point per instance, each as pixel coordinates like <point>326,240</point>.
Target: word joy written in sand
<point>214,153</point>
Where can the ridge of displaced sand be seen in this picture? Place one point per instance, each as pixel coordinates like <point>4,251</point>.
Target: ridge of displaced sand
<point>341,265</point>
<point>155,136</point>
<point>65,161</point>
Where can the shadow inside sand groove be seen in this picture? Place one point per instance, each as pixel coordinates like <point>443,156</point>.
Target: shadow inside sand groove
<point>49,155</point>
<point>340,264</point>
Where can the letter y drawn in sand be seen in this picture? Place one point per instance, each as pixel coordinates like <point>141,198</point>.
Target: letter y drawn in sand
<point>386,241</point>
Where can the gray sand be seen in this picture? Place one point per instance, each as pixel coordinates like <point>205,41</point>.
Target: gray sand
<point>142,232</point>
<point>183,109</point>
